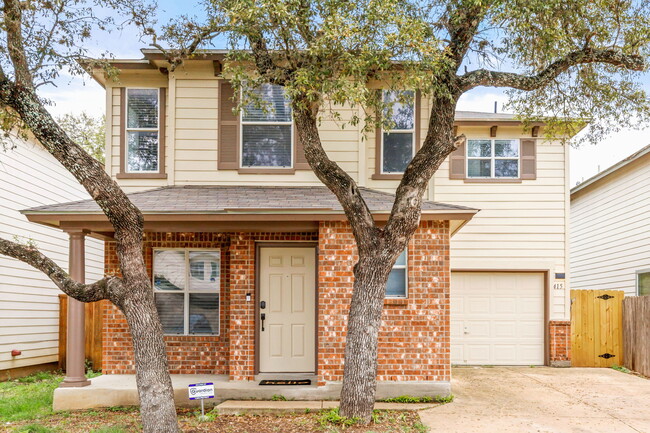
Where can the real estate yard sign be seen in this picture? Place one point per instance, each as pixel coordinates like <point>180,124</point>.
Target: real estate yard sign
<point>201,391</point>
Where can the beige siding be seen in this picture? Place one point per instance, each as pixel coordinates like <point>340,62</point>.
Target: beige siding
<point>520,225</point>
<point>610,241</point>
<point>28,299</point>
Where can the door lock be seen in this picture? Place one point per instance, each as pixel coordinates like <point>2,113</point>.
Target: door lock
<point>262,305</point>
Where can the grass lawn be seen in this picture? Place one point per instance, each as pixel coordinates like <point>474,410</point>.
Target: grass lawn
<point>26,407</point>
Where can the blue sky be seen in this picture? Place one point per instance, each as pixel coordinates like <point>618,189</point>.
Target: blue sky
<point>75,94</point>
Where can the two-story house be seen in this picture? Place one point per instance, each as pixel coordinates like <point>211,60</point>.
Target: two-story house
<point>251,256</point>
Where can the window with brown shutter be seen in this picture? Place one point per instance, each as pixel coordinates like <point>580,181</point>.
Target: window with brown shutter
<point>142,133</point>
<point>457,163</point>
<point>228,153</point>
<point>528,159</point>
<point>300,162</point>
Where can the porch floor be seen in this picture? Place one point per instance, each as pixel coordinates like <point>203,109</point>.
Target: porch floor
<point>120,390</point>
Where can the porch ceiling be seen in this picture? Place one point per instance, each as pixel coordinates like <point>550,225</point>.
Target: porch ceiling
<point>236,208</point>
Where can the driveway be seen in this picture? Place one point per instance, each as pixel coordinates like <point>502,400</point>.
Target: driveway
<point>543,400</point>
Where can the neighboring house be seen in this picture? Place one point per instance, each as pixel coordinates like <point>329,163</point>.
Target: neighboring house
<point>29,303</point>
<point>610,216</point>
<point>251,256</point>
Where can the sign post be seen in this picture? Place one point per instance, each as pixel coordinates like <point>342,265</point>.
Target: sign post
<point>201,391</point>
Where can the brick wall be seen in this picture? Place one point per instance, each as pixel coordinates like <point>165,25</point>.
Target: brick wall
<point>414,337</point>
<point>560,342</point>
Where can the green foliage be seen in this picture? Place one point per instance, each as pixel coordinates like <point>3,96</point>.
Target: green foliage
<point>87,131</point>
<point>278,397</point>
<point>621,368</point>
<point>333,417</point>
<point>110,429</point>
<point>28,397</point>
<point>425,399</point>
<point>35,428</point>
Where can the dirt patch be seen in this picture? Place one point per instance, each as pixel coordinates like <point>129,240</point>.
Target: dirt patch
<point>126,420</point>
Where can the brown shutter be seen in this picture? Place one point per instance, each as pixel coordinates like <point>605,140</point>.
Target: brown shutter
<point>528,160</point>
<point>299,160</point>
<point>228,155</point>
<point>457,163</point>
<point>162,126</point>
<point>122,129</point>
<point>418,116</point>
<point>378,136</point>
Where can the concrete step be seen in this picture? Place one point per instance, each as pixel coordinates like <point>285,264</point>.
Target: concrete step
<point>258,407</point>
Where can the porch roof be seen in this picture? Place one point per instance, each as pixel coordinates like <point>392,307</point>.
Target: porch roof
<point>259,204</point>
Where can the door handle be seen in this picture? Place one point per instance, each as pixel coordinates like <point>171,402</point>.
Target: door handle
<point>263,317</point>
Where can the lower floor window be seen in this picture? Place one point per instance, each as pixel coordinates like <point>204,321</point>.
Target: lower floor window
<point>397,279</point>
<point>643,283</point>
<point>186,288</point>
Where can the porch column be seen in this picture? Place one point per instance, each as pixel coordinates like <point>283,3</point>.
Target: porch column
<point>76,336</point>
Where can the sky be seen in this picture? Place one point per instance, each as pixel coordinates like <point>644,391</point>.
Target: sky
<point>76,94</point>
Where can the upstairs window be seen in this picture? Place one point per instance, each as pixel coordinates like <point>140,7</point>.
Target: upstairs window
<point>643,283</point>
<point>492,158</point>
<point>398,143</point>
<point>142,131</point>
<point>186,288</point>
<point>397,286</point>
<point>267,130</point>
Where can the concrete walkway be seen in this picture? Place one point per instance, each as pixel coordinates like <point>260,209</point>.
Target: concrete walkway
<point>543,400</point>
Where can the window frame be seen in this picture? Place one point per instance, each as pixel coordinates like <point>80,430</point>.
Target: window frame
<point>405,266</point>
<point>186,291</point>
<point>398,131</point>
<point>243,122</point>
<point>127,130</point>
<point>493,158</point>
<point>636,279</point>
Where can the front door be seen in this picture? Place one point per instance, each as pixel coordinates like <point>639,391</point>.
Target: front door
<point>287,307</point>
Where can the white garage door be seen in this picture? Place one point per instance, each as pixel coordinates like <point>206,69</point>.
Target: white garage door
<point>497,318</point>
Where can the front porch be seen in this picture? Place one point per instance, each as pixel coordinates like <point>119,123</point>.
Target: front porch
<point>120,390</point>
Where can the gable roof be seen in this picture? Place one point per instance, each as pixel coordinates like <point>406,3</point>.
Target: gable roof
<point>611,170</point>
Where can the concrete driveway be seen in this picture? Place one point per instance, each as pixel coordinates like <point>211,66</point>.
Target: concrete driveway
<point>543,400</point>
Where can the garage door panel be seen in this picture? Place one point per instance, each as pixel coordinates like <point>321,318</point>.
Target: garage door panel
<point>497,318</point>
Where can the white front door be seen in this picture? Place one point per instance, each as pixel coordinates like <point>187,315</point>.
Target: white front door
<point>497,318</point>
<point>287,304</point>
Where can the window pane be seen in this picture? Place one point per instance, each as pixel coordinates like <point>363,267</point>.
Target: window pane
<point>506,148</point>
<point>401,260</point>
<point>170,311</point>
<point>396,285</point>
<point>479,148</point>
<point>169,270</point>
<point>478,168</point>
<point>142,151</point>
<point>272,106</point>
<point>266,146</point>
<point>143,108</point>
<point>506,167</point>
<point>402,108</point>
<point>644,283</point>
<point>204,313</point>
<point>398,151</point>
<point>204,270</point>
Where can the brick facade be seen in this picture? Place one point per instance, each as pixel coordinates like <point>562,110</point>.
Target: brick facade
<point>560,342</point>
<point>414,338</point>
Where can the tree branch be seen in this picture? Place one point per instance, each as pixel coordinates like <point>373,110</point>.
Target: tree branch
<point>15,45</point>
<point>611,56</point>
<point>105,288</point>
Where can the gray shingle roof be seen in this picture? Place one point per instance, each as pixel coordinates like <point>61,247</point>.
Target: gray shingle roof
<point>479,115</point>
<point>219,199</point>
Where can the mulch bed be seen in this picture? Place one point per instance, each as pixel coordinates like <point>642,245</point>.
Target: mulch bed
<point>127,420</point>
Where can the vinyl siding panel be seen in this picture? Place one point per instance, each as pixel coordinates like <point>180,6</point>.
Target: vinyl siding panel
<point>609,230</point>
<point>29,305</point>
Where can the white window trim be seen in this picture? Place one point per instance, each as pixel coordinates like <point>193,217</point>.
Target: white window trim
<point>243,122</point>
<point>127,130</point>
<point>186,291</point>
<point>405,266</point>
<point>493,158</point>
<point>397,131</point>
<point>636,278</point>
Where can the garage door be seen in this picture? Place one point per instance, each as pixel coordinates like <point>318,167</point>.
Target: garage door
<point>497,318</point>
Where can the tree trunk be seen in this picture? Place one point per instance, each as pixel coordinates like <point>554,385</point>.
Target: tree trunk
<point>364,320</point>
<point>157,408</point>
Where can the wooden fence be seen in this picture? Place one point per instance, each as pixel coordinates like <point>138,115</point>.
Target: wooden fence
<point>94,322</point>
<point>636,333</point>
<point>596,328</point>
